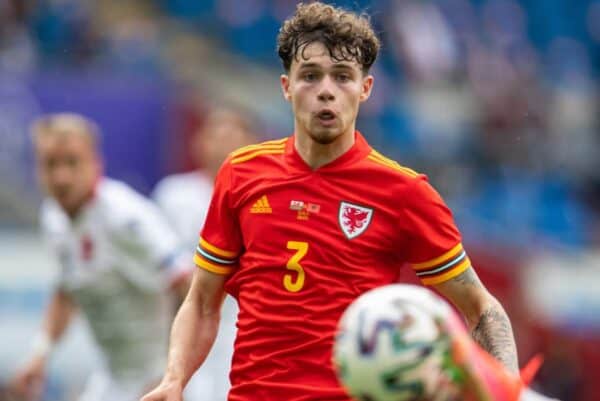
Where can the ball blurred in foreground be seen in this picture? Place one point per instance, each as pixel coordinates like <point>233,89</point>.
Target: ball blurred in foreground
<point>392,345</point>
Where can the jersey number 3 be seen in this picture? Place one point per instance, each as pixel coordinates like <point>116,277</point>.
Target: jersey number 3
<point>295,282</point>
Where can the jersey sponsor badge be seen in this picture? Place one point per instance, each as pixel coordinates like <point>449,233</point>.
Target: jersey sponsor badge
<point>354,219</point>
<point>296,205</point>
<point>304,209</point>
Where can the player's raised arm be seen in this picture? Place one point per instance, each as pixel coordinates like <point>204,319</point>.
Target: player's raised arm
<point>487,321</point>
<point>29,379</point>
<point>192,335</point>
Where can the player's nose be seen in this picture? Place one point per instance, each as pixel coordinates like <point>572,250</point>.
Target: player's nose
<point>326,90</point>
<point>61,176</point>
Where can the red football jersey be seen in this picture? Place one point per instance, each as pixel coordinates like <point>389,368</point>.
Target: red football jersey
<point>299,245</point>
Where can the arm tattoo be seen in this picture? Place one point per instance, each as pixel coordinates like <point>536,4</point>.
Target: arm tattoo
<point>494,334</point>
<point>468,277</point>
<point>493,331</point>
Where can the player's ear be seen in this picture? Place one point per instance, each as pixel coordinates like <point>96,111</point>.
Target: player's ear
<point>367,87</point>
<point>285,86</point>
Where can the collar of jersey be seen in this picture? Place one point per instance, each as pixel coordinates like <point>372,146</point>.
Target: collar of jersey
<point>359,150</point>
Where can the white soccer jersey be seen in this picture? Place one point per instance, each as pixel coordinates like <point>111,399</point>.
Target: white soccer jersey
<point>184,199</point>
<point>117,257</point>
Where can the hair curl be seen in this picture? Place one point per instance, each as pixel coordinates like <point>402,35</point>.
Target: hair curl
<point>346,35</point>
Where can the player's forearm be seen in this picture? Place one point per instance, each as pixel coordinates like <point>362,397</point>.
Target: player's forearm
<point>57,318</point>
<point>493,332</point>
<point>58,315</point>
<point>192,336</point>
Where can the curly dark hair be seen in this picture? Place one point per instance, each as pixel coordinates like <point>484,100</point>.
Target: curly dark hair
<point>346,35</point>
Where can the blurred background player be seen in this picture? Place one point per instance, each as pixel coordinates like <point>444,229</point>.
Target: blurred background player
<point>117,257</point>
<point>184,198</point>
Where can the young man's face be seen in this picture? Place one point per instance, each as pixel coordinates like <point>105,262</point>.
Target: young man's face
<point>68,167</point>
<point>325,94</point>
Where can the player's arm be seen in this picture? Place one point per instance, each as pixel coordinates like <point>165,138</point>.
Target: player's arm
<point>487,321</point>
<point>192,335</point>
<point>438,258</point>
<point>58,315</point>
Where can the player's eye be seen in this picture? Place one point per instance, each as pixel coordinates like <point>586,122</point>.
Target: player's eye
<point>343,77</point>
<point>50,164</point>
<point>309,76</point>
<point>72,161</point>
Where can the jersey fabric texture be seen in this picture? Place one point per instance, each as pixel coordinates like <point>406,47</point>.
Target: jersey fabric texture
<point>117,257</point>
<point>184,199</point>
<point>298,245</point>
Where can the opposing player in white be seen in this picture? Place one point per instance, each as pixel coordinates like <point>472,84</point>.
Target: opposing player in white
<point>118,257</point>
<point>184,199</point>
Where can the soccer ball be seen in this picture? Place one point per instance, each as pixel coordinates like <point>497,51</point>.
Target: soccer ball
<point>392,345</point>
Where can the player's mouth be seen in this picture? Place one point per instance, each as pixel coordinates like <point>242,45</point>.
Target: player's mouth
<point>326,117</point>
<point>62,194</point>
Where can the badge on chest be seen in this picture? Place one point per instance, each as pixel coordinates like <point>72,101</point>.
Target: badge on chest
<point>354,219</point>
<point>86,248</point>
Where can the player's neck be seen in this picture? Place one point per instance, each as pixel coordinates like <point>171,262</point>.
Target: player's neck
<point>74,211</point>
<point>316,154</point>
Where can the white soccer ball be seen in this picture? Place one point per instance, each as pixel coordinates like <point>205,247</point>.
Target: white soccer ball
<point>392,345</point>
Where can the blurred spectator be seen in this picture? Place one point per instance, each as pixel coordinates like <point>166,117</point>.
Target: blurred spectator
<point>17,49</point>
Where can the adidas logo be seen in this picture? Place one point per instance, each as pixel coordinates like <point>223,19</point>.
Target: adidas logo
<point>261,206</point>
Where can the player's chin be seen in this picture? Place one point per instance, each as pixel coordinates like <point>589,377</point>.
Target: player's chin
<point>63,198</point>
<point>325,135</point>
<point>69,202</point>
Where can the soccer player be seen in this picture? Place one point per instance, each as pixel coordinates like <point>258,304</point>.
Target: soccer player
<point>118,257</point>
<point>184,199</point>
<point>223,130</point>
<point>299,227</point>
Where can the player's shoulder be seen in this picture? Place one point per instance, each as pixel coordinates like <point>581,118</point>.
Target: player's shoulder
<point>259,152</point>
<point>116,201</point>
<point>385,165</point>
<point>112,192</point>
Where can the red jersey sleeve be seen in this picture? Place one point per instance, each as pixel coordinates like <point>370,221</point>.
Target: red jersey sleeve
<point>220,242</point>
<point>435,250</point>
